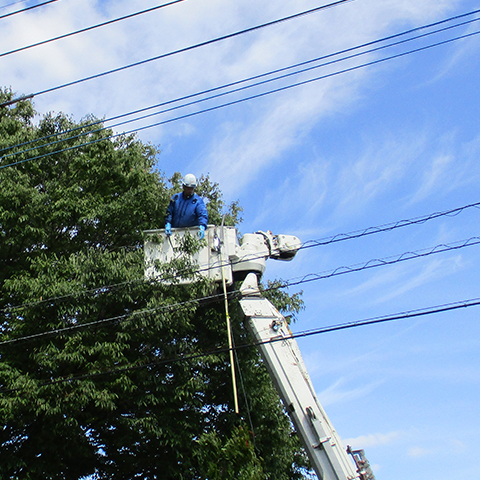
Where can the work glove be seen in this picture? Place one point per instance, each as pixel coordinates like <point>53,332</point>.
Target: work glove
<point>168,229</point>
<point>201,232</point>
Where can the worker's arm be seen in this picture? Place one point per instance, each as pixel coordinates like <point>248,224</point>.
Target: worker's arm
<point>202,214</point>
<point>170,210</point>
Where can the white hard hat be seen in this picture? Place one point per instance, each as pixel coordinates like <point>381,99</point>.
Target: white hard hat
<point>189,180</point>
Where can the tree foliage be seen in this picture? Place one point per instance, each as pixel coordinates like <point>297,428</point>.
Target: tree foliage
<point>102,374</point>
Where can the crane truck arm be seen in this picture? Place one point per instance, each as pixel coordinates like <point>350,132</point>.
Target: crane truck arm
<point>284,361</point>
<point>224,259</point>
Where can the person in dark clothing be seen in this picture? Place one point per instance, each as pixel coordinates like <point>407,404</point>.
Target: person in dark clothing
<point>187,209</point>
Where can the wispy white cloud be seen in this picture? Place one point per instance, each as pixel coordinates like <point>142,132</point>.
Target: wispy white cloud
<point>419,452</point>
<point>460,52</point>
<point>397,282</point>
<point>253,142</point>
<point>247,151</point>
<point>339,392</point>
<point>375,439</point>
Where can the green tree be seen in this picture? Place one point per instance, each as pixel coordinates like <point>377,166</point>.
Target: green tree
<point>103,374</point>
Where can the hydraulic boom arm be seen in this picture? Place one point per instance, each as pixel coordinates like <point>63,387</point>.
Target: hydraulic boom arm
<point>285,364</point>
<point>222,259</point>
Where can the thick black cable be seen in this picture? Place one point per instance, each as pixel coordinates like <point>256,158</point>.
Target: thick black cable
<point>390,318</point>
<point>285,284</point>
<point>253,97</point>
<point>93,27</point>
<point>380,262</point>
<point>192,47</point>
<point>272,72</point>
<point>307,244</point>
<point>106,321</point>
<point>333,328</point>
<point>386,227</point>
<point>236,90</point>
<point>374,62</point>
<point>239,82</point>
<point>26,8</point>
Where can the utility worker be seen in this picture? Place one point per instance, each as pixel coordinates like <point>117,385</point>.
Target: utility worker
<point>187,209</point>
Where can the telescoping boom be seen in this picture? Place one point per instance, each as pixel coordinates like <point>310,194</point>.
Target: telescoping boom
<point>224,259</point>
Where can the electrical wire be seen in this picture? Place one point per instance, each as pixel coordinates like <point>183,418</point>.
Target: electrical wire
<point>107,321</point>
<point>390,318</point>
<point>307,244</point>
<point>272,72</point>
<point>289,283</point>
<point>235,102</point>
<point>87,29</point>
<point>224,349</point>
<point>242,81</point>
<point>386,227</point>
<point>26,8</point>
<point>92,291</point>
<point>191,47</point>
<point>215,96</point>
<point>380,262</point>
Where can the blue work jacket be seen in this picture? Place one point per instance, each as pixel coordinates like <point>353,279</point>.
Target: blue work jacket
<point>186,212</point>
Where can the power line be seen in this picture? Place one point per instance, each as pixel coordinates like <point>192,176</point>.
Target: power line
<point>109,22</point>
<point>256,96</point>
<point>105,321</point>
<point>26,8</point>
<point>242,81</point>
<point>302,334</point>
<point>192,47</point>
<point>390,318</point>
<point>305,245</point>
<point>288,283</point>
<point>272,72</point>
<point>92,291</point>
<point>340,237</point>
<point>380,262</point>
<point>282,76</point>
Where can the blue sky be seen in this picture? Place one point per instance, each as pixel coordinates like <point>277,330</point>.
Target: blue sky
<point>388,142</point>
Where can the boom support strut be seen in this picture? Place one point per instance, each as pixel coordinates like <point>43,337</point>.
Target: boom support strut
<point>284,361</point>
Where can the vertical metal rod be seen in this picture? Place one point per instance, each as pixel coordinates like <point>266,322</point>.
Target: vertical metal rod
<point>230,345</point>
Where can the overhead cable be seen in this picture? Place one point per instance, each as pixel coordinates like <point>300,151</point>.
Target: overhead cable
<point>26,8</point>
<point>229,92</point>
<point>381,262</point>
<point>192,47</point>
<point>288,283</point>
<point>91,291</point>
<point>236,83</point>
<point>106,321</point>
<point>390,318</point>
<point>386,227</point>
<point>305,245</point>
<point>224,349</point>
<point>255,77</point>
<point>235,102</point>
<point>109,22</point>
